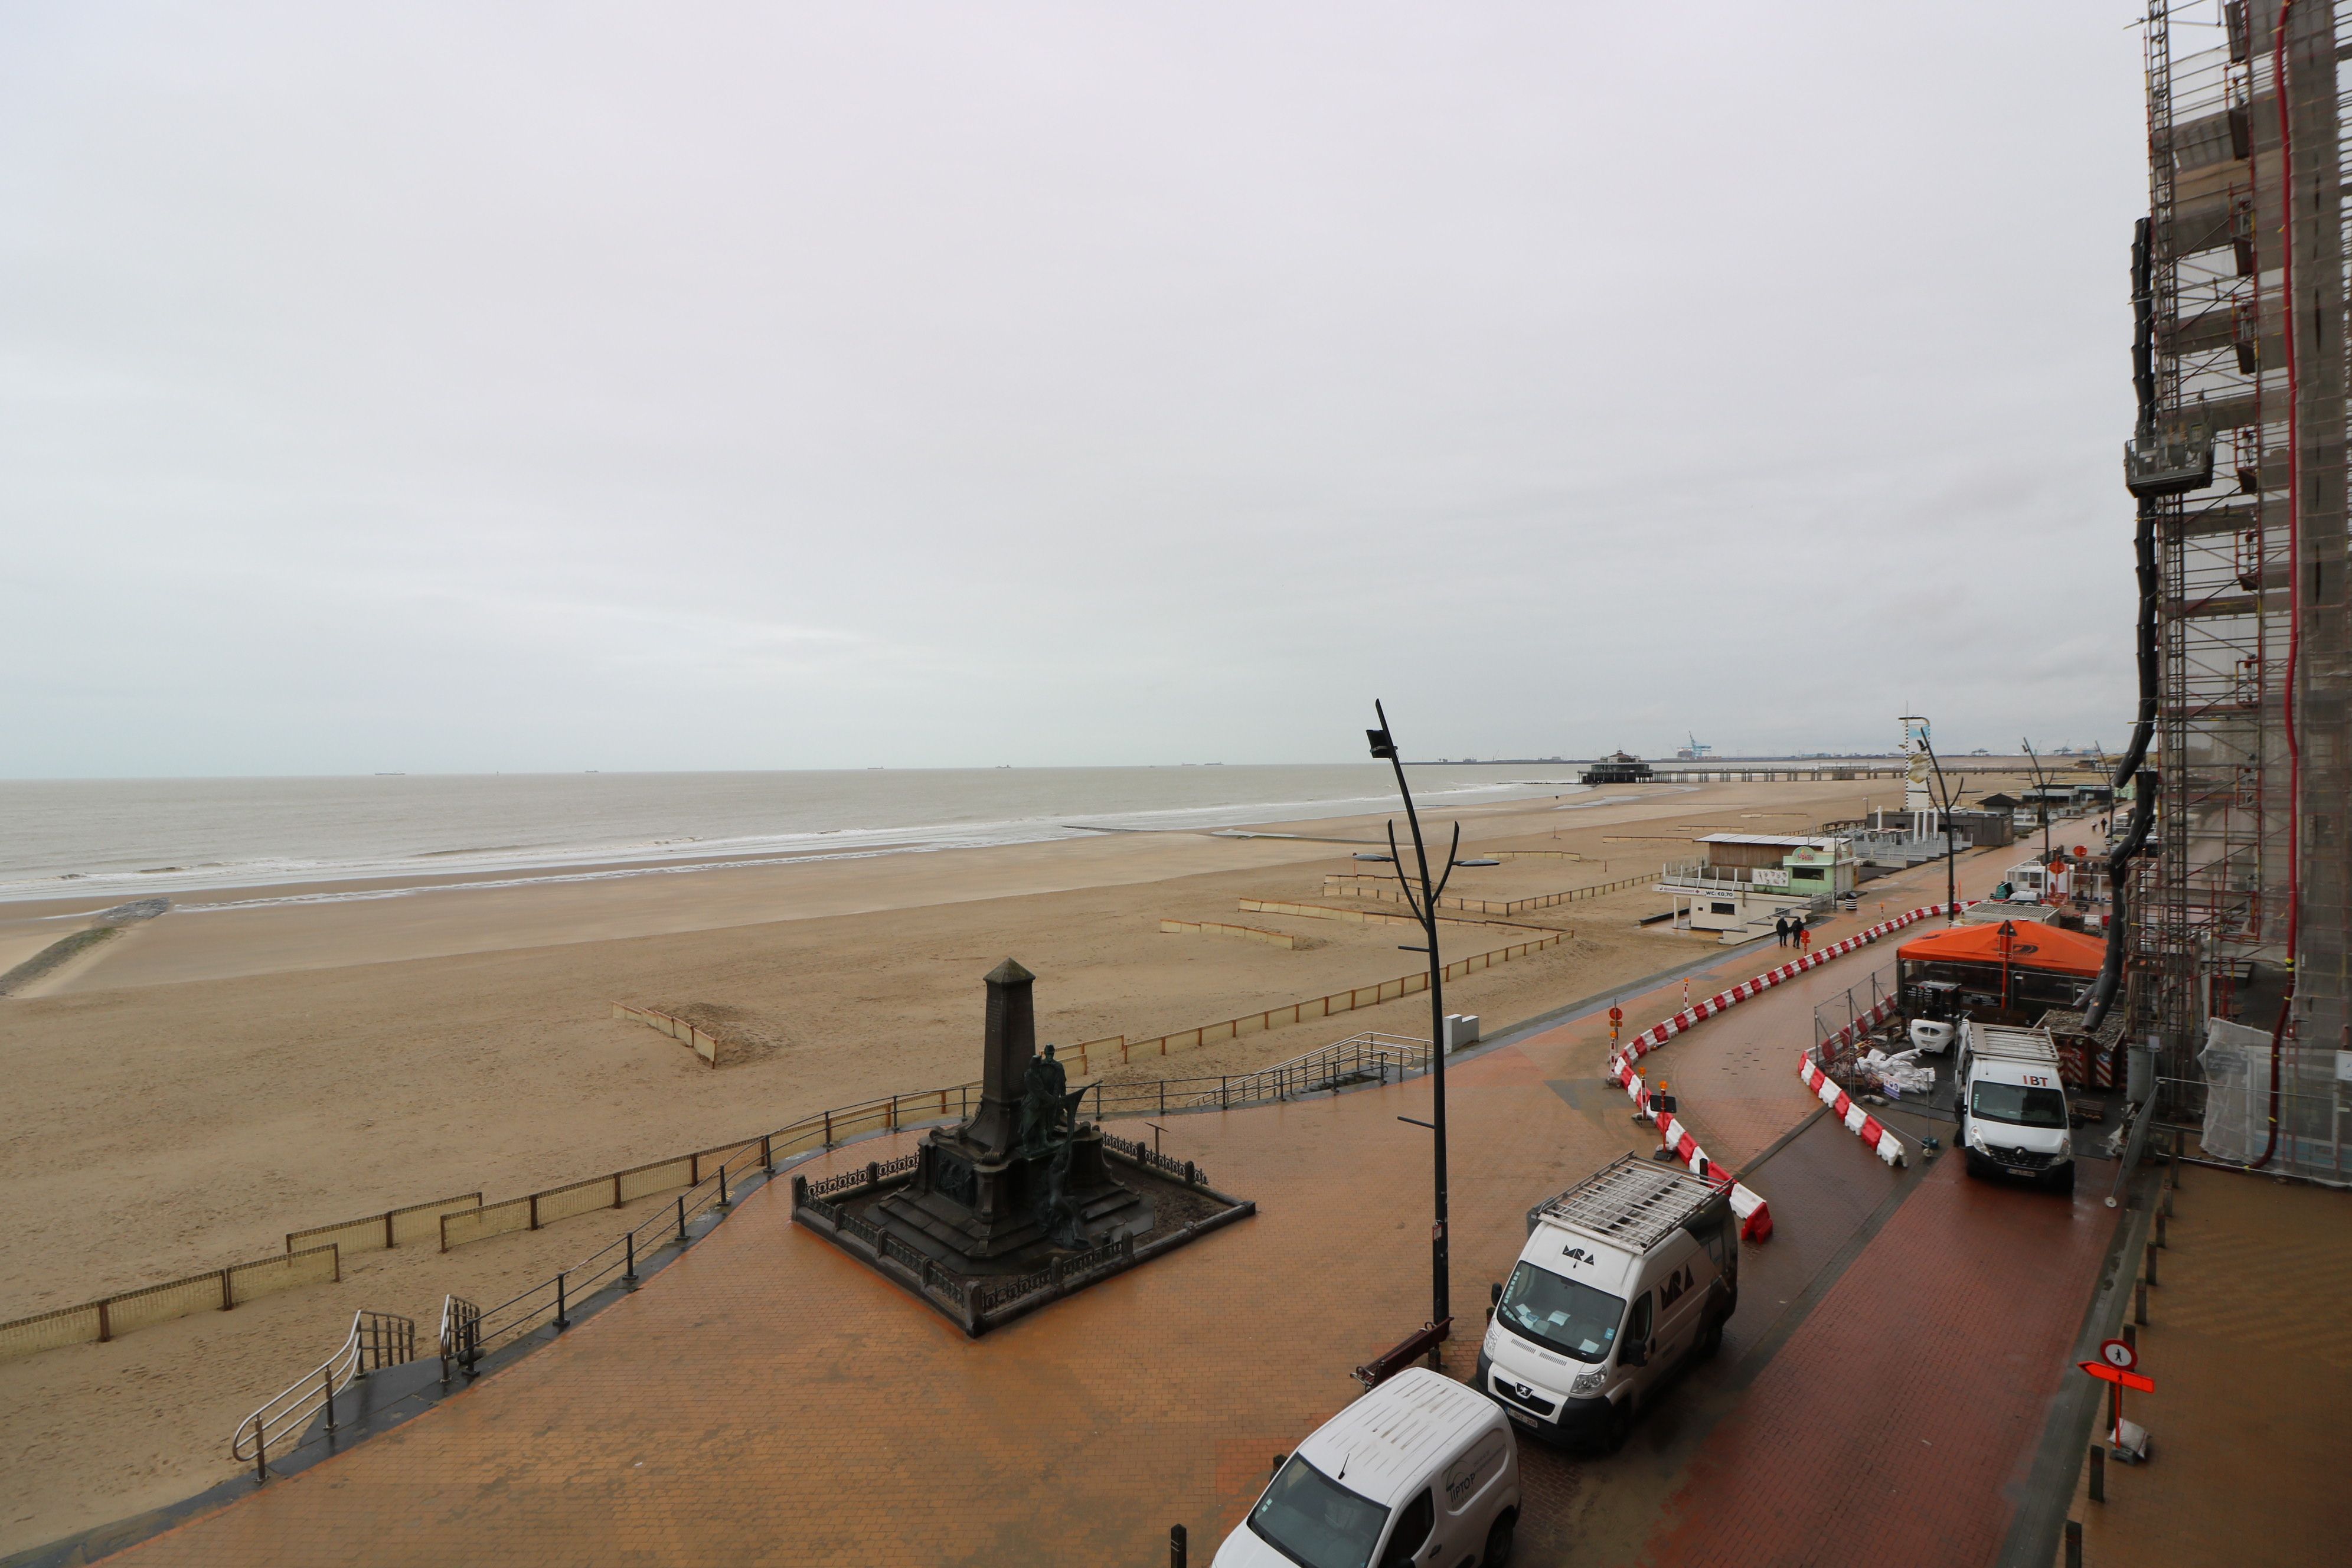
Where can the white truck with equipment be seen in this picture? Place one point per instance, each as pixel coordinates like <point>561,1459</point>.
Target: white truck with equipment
<point>2012,1106</point>
<point>1625,1274</point>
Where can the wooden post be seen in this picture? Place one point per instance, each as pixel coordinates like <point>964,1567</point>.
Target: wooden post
<point>534,1211</point>
<point>228,1291</point>
<point>105,1319</point>
<point>387,1229</point>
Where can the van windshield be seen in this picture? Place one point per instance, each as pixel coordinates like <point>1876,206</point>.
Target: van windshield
<point>2018,1105</point>
<point>1573,1318</point>
<point>1313,1521</point>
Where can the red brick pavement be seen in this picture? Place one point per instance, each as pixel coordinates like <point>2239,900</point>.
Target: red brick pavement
<point>767,1400</point>
<point>1897,1423</point>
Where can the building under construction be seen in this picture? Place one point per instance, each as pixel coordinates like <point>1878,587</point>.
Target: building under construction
<point>2241,902</point>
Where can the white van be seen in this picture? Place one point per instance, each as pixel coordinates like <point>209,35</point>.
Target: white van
<point>1625,1274</point>
<point>1419,1473</point>
<point>2013,1105</point>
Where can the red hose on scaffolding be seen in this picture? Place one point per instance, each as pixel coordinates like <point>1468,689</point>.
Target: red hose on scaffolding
<point>2294,569</point>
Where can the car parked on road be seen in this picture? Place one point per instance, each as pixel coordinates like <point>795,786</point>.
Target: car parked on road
<point>1419,1473</point>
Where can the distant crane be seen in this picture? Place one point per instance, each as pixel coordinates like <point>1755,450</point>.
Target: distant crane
<point>1695,752</point>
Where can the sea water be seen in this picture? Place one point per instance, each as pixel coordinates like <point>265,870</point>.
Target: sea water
<point>134,837</point>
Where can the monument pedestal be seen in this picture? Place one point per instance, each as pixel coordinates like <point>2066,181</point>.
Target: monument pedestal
<point>988,1215</point>
<point>1019,1203</point>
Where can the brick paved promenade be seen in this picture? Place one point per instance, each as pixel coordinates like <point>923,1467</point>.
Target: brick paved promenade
<point>766,1401</point>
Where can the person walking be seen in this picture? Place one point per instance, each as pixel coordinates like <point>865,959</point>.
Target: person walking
<point>1780,929</point>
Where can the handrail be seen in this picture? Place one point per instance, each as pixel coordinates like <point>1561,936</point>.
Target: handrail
<point>469,1332</point>
<point>377,1339</point>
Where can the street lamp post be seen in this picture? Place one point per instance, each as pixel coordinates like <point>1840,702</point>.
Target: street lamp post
<point>2040,799</point>
<point>1944,795</point>
<point>1423,901</point>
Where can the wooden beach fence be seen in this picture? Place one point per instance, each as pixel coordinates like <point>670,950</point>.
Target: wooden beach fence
<point>704,1045</point>
<point>1368,917</point>
<point>1385,890</point>
<point>215,1290</point>
<point>1218,928</point>
<point>1338,1002</point>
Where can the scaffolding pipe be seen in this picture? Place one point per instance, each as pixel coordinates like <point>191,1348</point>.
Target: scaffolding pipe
<point>2143,816</point>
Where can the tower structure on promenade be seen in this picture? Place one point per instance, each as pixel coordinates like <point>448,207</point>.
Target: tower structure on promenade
<point>2243,895</point>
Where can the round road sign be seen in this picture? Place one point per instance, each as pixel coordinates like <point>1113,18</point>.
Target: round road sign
<point>2119,1355</point>
<point>2081,853</point>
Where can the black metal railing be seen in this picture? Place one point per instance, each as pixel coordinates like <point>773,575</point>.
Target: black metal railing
<point>551,1300</point>
<point>377,1339</point>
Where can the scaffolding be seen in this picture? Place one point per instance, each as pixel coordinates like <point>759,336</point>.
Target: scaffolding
<point>2245,885</point>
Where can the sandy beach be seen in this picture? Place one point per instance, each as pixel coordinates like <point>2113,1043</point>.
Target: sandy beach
<point>219,1076</point>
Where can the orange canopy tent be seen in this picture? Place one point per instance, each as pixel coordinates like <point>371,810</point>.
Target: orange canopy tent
<point>2034,946</point>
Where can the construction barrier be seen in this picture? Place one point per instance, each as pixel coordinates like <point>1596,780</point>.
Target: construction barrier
<point>1217,928</point>
<point>394,1228</point>
<point>216,1290</point>
<point>1754,1213</point>
<point>1863,1024</point>
<point>1387,891</point>
<point>1658,1033</point>
<point>1873,1133</point>
<point>704,1045</point>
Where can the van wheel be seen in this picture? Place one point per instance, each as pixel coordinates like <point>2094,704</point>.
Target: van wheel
<point>1621,1424</point>
<point>1499,1541</point>
<point>1710,1339</point>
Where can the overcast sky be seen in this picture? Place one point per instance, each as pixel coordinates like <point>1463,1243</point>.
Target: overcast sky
<point>472,387</point>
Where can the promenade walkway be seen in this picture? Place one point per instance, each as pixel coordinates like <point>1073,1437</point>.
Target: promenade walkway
<point>764,1400</point>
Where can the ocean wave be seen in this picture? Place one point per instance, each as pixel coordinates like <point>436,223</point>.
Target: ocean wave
<point>509,863</point>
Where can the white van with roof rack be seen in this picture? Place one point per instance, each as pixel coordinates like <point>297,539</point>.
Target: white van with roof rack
<point>1625,1274</point>
<point>2014,1120</point>
<point>1419,1473</point>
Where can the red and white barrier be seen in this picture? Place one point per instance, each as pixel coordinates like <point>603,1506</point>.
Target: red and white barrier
<point>1657,1034</point>
<point>1754,1216</point>
<point>1863,1025</point>
<point>1874,1136</point>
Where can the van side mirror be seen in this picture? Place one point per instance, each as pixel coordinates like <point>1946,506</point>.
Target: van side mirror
<point>1633,1353</point>
<point>1495,1294</point>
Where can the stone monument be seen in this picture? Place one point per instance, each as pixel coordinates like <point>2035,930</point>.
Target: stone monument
<point>1022,1175</point>
<point>1017,1205</point>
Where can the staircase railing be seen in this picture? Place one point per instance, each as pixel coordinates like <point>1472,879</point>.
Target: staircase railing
<point>377,1339</point>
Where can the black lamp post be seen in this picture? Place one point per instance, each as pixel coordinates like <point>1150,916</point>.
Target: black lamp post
<point>1423,904</point>
<point>1944,793</point>
<point>2041,800</point>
